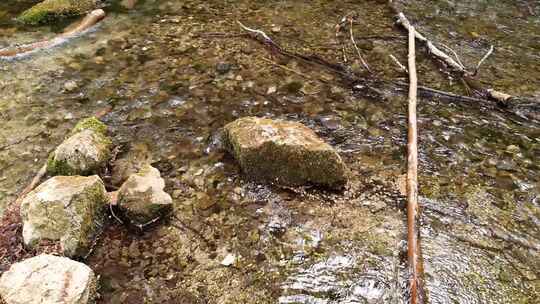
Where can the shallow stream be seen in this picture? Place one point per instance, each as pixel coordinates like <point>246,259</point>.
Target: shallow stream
<point>167,75</point>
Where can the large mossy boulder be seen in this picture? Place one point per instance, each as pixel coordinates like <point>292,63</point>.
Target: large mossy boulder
<point>85,152</point>
<point>65,209</point>
<point>287,153</point>
<point>48,279</point>
<point>141,198</point>
<point>50,10</point>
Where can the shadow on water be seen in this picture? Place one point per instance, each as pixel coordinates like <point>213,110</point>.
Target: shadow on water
<point>167,83</point>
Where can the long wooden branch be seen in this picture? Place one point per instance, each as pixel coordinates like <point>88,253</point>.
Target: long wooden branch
<point>413,247</point>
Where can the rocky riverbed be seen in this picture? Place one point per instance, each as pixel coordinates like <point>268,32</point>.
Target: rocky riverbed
<point>166,77</point>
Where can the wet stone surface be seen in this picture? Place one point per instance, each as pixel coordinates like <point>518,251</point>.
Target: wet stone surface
<point>141,198</point>
<point>48,279</point>
<point>153,74</point>
<point>284,152</point>
<point>65,209</point>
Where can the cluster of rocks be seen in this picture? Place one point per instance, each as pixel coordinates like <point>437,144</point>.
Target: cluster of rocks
<point>69,208</point>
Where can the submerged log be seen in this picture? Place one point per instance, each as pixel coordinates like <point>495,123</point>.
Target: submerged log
<point>87,22</point>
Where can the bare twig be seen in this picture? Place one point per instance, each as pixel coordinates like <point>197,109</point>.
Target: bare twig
<point>286,68</point>
<point>114,215</point>
<point>342,24</point>
<point>431,47</point>
<point>179,224</point>
<point>364,63</point>
<point>42,171</point>
<point>482,60</point>
<point>344,52</point>
<point>455,55</point>
<point>401,66</point>
<point>113,201</point>
<point>254,31</point>
<point>413,252</point>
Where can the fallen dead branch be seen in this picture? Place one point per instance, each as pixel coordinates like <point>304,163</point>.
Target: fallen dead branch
<point>455,64</point>
<point>289,69</point>
<point>400,66</point>
<point>364,63</point>
<point>452,63</point>
<point>413,247</point>
<point>371,86</point>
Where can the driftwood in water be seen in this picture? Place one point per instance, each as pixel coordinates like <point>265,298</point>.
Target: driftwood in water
<point>455,64</point>
<point>413,247</point>
<point>371,85</point>
<point>90,20</point>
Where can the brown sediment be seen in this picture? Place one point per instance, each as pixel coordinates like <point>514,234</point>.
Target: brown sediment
<point>88,21</point>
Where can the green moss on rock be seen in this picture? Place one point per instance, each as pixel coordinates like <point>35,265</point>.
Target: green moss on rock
<point>49,10</point>
<point>60,167</point>
<point>67,209</point>
<point>90,123</point>
<point>84,153</point>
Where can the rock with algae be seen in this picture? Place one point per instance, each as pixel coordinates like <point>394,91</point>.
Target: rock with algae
<point>142,199</point>
<point>49,10</point>
<point>85,152</point>
<point>48,279</point>
<point>287,153</point>
<point>67,209</point>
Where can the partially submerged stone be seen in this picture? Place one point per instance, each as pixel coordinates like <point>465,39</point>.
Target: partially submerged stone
<point>287,153</point>
<point>48,279</point>
<point>49,10</point>
<point>85,152</point>
<point>142,199</point>
<point>130,163</point>
<point>67,209</point>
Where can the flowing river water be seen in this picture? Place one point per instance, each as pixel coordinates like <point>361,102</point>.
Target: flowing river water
<point>167,75</point>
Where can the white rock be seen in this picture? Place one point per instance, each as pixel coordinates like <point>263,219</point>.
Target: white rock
<point>71,86</point>
<point>228,260</point>
<point>48,279</point>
